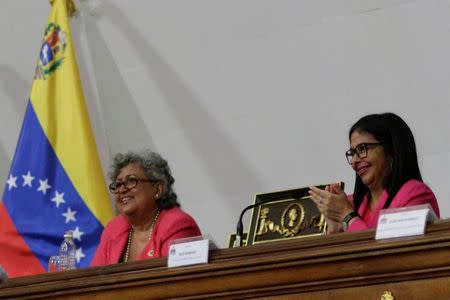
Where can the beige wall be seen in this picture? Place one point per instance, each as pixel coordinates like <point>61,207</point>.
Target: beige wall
<point>246,96</point>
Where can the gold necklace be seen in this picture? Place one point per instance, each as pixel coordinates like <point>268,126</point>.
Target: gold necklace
<point>130,236</point>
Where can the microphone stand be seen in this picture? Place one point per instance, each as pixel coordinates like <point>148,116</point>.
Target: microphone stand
<point>240,226</point>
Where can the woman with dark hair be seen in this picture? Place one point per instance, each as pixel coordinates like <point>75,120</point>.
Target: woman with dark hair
<point>150,216</point>
<point>383,155</point>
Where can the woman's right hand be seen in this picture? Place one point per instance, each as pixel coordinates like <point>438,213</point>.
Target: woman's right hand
<point>332,202</point>
<point>333,226</point>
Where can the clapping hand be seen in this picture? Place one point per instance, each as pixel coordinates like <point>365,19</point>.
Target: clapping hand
<point>332,202</point>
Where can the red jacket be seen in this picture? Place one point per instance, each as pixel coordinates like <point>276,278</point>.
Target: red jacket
<point>413,192</point>
<point>173,223</point>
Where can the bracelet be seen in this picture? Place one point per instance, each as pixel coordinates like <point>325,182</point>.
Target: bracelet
<point>348,218</point>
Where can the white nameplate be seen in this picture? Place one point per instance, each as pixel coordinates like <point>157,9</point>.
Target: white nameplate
<point>400,222</point>
<point>188,253</point>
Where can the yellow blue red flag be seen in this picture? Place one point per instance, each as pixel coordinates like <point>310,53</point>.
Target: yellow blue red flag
<point>55,182</point>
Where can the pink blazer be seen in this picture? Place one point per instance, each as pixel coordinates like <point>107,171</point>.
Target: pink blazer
<point>413,192</point>
<point>173,223</point>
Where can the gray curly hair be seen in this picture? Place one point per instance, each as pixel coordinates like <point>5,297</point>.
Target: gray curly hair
<point>156,169</point>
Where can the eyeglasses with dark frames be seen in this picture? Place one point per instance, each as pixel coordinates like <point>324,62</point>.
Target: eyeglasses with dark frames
<point>360,150</point>
<point>130,182</point>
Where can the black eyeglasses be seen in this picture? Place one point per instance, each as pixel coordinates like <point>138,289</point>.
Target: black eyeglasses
<point>360,150</point>
<point>129,183</point>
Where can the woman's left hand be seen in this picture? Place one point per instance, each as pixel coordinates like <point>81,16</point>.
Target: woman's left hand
<point>332,202</point>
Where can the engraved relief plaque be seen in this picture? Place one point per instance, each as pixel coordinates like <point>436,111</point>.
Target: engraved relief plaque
<point>288,214</point>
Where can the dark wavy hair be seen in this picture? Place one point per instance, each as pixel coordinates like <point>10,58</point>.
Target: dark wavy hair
<point>398,142</point>
<point>155,167</point>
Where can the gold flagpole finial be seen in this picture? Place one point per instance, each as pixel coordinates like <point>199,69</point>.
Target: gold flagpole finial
<point>71,8</point>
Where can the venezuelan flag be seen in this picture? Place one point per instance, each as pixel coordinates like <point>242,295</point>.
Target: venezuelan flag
<point>56,182</point>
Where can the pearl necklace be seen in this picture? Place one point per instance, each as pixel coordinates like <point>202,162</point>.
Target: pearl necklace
<point>130,236</point>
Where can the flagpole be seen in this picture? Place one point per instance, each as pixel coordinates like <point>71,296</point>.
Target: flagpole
<point>71,8</point>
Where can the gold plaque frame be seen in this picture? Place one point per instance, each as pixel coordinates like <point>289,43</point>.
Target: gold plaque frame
<point>288,214</point>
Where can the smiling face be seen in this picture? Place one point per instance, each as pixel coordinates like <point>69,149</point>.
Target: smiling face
<point>139,201</point>
<point>375,166</point>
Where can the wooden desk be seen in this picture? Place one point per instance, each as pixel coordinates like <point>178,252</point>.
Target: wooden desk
<point>341,266</point>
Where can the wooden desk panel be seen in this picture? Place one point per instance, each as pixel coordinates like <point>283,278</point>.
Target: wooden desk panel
<point>340,266</point>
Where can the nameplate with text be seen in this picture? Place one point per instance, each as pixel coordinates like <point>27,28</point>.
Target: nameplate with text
<point>401,222</point>
<point>188,253</point>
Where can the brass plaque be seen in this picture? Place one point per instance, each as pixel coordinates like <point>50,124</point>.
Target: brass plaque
<point>289,214</point>
<point>232,240</point>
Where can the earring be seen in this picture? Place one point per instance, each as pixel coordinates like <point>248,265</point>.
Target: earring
<point>156,196</point>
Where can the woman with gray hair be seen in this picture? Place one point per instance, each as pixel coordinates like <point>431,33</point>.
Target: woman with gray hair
<point>150,215</point>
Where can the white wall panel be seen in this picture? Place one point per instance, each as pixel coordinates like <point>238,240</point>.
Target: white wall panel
<point>244,97</point>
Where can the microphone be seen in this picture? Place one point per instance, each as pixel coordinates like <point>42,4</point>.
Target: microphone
<point>240,226</point>
<point>3,275</point>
